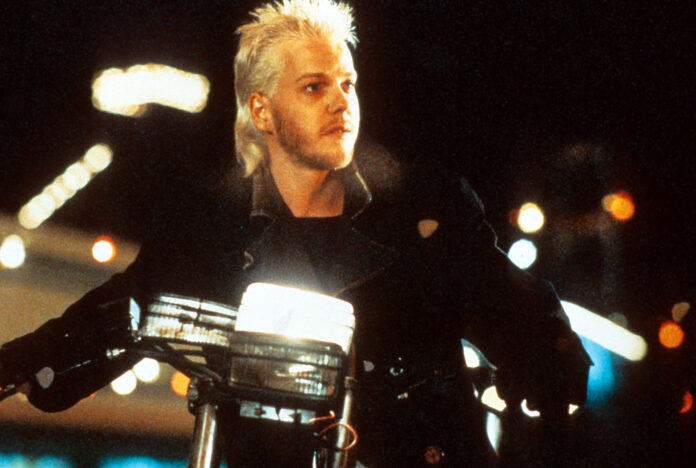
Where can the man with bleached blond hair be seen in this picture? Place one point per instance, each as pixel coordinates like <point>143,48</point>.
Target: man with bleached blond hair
<point>413,254</point>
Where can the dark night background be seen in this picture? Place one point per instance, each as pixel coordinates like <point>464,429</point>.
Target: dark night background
<point>504,93</point>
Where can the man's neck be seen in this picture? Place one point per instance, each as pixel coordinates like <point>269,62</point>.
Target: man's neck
<point>309,193</point>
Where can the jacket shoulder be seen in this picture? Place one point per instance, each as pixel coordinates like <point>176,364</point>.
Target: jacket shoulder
<point>405,194</point>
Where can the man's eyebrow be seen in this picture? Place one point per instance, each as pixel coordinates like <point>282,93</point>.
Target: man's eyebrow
<point>306,76</point>
<point>311,75</point>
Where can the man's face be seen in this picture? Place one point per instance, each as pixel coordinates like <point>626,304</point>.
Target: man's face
<point>314,108</point>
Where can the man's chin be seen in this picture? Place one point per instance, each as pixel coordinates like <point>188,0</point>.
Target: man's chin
<point>345,161</point>
<point>346,156</point>
<point>326,162</point>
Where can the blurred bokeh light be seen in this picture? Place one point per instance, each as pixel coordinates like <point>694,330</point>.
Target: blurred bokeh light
<point>619,205</point>
<point>530,218</point>
<point>147,370</point>
<point>104,249</point>
<point>180,383</point>
<point>12,251</point>
<point>128,92</point>
<point>523,253</point>
<point>125,384</point>
<point>670,334</point>
<point>66,185</point>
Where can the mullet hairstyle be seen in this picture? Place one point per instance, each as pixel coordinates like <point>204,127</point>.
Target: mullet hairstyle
<point>257,63</point>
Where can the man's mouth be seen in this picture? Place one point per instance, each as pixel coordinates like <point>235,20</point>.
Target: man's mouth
<point>339,128</point>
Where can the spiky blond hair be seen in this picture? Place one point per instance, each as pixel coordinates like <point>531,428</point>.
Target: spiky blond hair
<point>257,64</point>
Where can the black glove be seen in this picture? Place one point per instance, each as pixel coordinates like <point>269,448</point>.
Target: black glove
<point>550,372</point>
<point>21,358</point>
<point>62,343</point>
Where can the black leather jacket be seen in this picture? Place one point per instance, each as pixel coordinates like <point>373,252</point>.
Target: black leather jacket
<point>415,295</point>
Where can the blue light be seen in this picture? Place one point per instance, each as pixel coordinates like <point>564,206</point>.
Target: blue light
<point>51,462</point>
<point>140,462</point>
<point>602,379</point>
<point>8,460</point>
<point>144,462</point>
<point>15,460</point>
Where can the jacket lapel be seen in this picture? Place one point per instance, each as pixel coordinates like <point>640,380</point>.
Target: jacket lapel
<point>354,257</point>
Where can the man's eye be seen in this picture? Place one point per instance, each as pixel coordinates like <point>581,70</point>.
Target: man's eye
<point>312,87</point>
<point>349,85</point>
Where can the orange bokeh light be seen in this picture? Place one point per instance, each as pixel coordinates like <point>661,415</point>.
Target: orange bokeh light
<point>180,383</point>
<point>104,249</point>
<point>671,334</point>
<point>619,205</point>
<point>512,217</point>
<point>688,402</point>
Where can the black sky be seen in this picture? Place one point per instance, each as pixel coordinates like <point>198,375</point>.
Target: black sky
<point>492,89</point>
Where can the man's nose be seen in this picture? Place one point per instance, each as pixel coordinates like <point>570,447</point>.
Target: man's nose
<point>338,101</point>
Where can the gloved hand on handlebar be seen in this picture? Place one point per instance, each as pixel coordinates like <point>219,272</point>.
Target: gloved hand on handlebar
<point>550,373</point>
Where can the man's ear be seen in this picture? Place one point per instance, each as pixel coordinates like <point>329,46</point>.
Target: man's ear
<point>261,115</point>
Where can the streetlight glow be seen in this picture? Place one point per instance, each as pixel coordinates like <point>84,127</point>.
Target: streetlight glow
<point>128,92</point>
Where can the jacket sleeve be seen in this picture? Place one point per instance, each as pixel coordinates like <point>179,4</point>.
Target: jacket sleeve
<point>77,353</point>
<point>515,319</point>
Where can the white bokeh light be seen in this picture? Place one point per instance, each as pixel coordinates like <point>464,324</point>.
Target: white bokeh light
<point>129,91</point>
<point>125,384</point>
<point>76,176</point>
<point>103,250</point>
<point>530,218</point>
<point>523,253</point>
<point>147,370</point>
<point>12,252</point>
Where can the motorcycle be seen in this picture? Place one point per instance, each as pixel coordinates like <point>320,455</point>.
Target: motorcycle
<point>283,356</point>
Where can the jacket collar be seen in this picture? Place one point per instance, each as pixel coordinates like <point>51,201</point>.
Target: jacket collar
<point>361,259</point>
<point>266,200</point>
